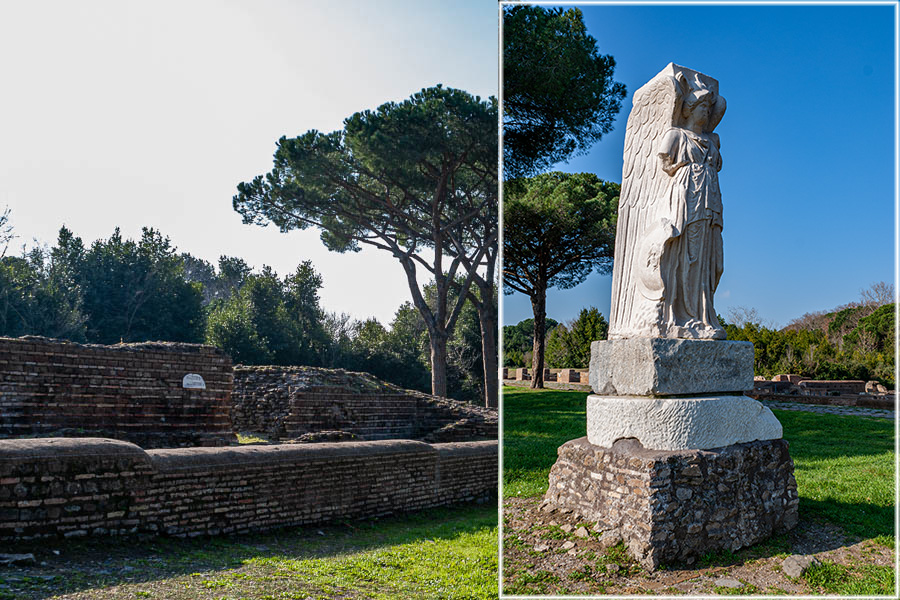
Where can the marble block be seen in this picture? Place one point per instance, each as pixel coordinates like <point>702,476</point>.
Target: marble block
<point>664,366</point>
<point>679,423</point>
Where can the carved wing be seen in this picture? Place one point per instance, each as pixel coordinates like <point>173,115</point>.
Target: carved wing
<point>656,108</point>
<point>655,111</point>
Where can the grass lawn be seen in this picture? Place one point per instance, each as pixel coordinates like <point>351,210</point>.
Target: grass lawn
<point>844,465</point>
<point>448,553</point>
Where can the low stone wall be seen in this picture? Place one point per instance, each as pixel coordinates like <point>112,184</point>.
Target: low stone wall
<point>77,487</point>
<point>131,392</point>
<point>678,505</point>
<point>882,401</point>
<point>289,402</point>
<point>825,387</point>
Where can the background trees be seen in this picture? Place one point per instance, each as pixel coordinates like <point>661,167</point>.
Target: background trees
<point>557,228</point>
<point>853,341</point>
<point>409,178</point>
<point>256,316</point>
<point>559,96</point>
<point>569,345</point>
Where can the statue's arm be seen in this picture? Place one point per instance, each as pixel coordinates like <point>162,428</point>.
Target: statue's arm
<point>715,138</point>
<point>668,153</point>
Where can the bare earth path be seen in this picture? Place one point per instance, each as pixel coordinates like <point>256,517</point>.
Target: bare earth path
<point>544,555</point>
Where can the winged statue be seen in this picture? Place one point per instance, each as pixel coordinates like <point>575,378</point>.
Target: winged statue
<point>668,255</point>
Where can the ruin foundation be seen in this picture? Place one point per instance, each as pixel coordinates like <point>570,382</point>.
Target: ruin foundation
<point>672,506</point>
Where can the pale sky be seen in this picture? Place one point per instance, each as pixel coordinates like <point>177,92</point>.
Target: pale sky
<point>131,114</point>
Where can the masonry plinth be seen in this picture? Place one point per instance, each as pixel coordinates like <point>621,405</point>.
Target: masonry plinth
<point>677,462</point>
<point>670,506</point>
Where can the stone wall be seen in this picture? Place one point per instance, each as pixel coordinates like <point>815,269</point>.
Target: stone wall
<point>673,506</point>
<point>290,402</point>
<point>130,392</point>
<point>560,375</point>
<point>825,387</point>
<point>77,487</point>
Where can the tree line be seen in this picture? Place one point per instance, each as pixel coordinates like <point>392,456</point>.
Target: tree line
<point>568,345</point>
<point>853,341</point>
<point>416,179</point>
<point>121,290</point>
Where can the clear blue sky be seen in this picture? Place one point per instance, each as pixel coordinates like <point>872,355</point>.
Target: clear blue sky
<point>145,113</point>
<point>807,143</point>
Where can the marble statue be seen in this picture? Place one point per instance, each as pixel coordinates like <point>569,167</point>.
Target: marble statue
<point>668,255</point>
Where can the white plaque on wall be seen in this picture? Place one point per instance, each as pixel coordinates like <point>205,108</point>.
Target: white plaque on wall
<point>193,381</point>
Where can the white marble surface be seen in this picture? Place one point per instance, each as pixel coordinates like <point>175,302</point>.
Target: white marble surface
<point>668,255</point>
<point>664,367</point>
<point>679,423</point>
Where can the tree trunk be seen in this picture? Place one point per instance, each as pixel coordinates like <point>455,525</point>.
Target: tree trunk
<point>487,318</point>
<point>438,363</point>
<point>539,306</point>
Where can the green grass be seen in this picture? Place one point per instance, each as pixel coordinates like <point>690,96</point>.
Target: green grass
<point>448,553</point>
<point>844,465</point>
<point>862,580</point>
<point>250,438</point>
<point>535,424</point>
<point>845,470</point>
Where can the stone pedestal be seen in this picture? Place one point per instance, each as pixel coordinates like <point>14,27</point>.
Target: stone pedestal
<point>677,461</point>
<point>664,367</point>
<point>672,506</point>
<point>661,423</point>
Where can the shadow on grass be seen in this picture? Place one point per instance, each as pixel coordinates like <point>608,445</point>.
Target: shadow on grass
<point>824,436</point>
<point>68,566</point>
<point>844,465</point>
<point>535,424</point>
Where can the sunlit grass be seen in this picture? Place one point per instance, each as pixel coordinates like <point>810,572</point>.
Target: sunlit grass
<point>844,465</point>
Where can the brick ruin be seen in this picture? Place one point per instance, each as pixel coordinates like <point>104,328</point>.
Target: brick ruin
<point>59,476</point>
<point>794,388</point>
<point>132,392</point>
<point>287,403</point>
<point>74,487</point>
<point>558,375</point>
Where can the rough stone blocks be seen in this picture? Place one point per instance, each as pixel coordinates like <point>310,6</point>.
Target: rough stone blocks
<point>661,366</point>
<point>673,506</point>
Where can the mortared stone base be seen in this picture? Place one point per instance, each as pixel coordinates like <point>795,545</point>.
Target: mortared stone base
<point>674,506</point>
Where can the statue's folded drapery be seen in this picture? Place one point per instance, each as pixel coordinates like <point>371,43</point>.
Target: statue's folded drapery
<point>668,258</point>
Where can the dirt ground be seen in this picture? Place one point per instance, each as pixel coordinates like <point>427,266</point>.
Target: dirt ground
<point>543,553</point>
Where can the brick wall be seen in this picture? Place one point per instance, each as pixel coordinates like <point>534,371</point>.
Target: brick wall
<point>288,402</point>
<point>78,487</point>
<point>824,387</point>
<point>131,392</point>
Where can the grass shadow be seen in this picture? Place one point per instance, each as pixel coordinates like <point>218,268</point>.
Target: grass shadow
<point>68,566</point>
<point>535,424</point>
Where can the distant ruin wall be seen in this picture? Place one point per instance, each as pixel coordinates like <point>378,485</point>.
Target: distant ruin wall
<point>288,402</point>
<point>60,487</point>
<point>132,392</point>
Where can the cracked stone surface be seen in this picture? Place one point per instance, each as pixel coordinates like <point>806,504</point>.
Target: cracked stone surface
<point>679,423</point>
<point>659,366</point>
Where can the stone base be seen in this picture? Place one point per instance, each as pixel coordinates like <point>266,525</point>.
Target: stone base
<point>679,423</point>
<point>663,367</point>
<point>676,506</point>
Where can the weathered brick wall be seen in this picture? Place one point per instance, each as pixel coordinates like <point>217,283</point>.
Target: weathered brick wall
<point>77,487</point>
<point>288,402</point>
<point>128,391</point>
